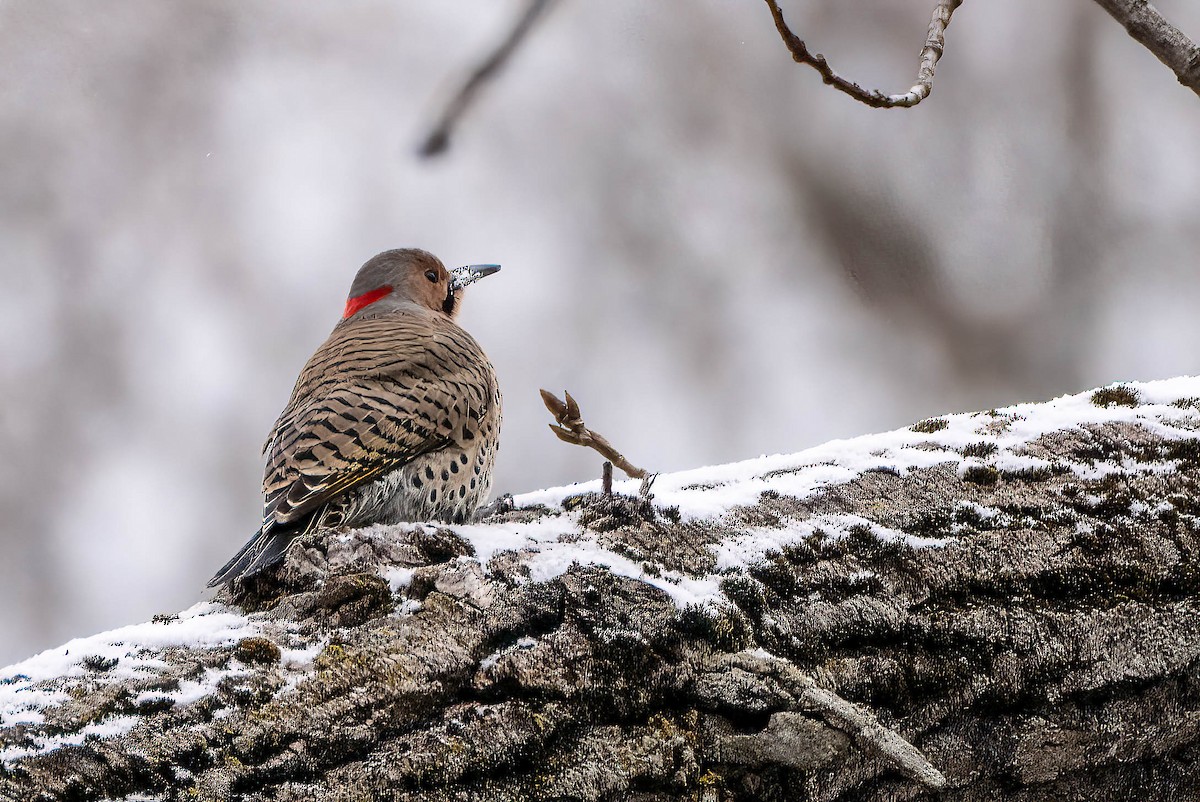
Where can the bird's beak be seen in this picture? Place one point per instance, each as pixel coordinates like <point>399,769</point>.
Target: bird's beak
<point>468,274</point>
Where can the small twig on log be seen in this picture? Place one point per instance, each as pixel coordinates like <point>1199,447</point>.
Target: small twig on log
<point>857,722</point>
<point>571,429</point>
<point>438,139</point>
<point>1151,29</point>
<point>934,44</point>
<point>647,483</point>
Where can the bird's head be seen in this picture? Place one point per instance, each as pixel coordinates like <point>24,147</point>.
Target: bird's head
<point>407,276</point>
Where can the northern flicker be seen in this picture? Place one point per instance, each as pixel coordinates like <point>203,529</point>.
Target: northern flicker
<point>396,416</point>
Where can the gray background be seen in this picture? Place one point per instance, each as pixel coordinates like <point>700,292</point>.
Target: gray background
<point>719,256</point>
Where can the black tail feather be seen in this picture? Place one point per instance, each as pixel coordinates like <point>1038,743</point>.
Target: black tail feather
<point>260,552</point>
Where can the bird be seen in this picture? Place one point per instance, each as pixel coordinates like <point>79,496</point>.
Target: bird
<point>396,417</point>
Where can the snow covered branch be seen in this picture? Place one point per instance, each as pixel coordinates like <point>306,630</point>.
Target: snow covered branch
<point>1001,605</point>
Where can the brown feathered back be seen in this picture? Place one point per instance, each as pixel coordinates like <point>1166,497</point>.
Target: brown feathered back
<point>380,392</point>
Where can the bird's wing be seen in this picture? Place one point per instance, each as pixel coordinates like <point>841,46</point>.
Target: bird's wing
<point>365,407</point>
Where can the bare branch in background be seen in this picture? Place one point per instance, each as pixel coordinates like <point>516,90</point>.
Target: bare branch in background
<point>1169,45</point>
<point>934,44</point>
<point>1140,18</point>
<point>438,139</point>
<point>572,430</point>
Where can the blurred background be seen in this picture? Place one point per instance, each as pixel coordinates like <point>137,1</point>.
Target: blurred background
<point>716,254</point>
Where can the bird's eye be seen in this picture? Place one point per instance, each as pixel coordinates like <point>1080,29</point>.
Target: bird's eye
<point>431,275</point>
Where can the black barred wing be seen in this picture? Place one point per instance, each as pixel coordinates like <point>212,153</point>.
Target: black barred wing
<point>379,393</point>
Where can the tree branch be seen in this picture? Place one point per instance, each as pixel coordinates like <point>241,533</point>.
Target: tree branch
<point>572,430</point>
<point>1152,30</point>
<point>438,139</point>
<point>934,44</point>
<point>898,615</point>
<point>1140,18</point>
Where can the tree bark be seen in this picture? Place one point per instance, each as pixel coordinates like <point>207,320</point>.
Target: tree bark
<point>984,631</point>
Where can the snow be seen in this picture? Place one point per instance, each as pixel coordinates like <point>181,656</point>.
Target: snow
<point>707,493</point>
<point>30,687</point>
<point>712,493</point>
<point>842,460</point>
<point>108,728</point>
<point>301,658</point>
<point>750,546</point>
<point>491,660</point>
<point>488,539</point>
<point>398,578</point>
<point>205,624</point>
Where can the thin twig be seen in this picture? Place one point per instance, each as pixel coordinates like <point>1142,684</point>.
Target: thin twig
<point>934,44</point>
<point>1151,29</point>
<point>860,723</point>
<point>438,139</point>
<point>606,478</point>
<point>571,429</point>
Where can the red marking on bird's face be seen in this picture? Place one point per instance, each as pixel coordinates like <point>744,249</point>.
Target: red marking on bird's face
<point>366,299</point>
